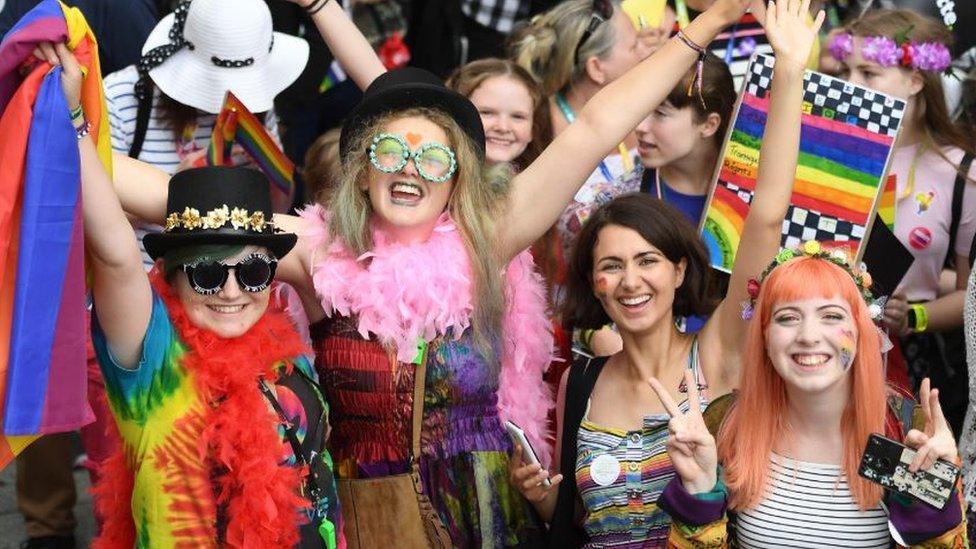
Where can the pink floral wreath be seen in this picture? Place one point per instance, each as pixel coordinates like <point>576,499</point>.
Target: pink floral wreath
<point>887,52</point>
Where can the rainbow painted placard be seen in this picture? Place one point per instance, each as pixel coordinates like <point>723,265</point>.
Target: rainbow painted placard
<point>236,124</point>
<point>846,138</point>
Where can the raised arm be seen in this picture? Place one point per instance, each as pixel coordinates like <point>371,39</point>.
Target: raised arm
<point>541,192</point>
<point>792,36</point>
<point>119,284</point>
<point>345,41</point>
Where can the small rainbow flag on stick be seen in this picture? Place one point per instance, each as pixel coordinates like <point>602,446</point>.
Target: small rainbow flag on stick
<point>236,124</point>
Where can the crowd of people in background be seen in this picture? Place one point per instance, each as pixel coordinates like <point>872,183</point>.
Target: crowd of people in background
<point>495,228</point>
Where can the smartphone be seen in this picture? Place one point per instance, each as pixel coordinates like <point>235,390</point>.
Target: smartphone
<point>518,437</point>
<point>886,462</point>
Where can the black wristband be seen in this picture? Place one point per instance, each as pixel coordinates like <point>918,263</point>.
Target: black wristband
<point>315,6</point>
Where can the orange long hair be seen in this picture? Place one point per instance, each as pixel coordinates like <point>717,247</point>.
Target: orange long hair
<point>758,419</point>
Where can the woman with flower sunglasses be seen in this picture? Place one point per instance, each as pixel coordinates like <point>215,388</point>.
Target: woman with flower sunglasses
<point>403,270</point>
<point>222,427</point>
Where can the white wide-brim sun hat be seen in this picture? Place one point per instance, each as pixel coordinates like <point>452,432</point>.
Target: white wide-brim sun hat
<point>231,46</point>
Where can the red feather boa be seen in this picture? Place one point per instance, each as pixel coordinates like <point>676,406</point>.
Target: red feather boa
<point>262,497</point>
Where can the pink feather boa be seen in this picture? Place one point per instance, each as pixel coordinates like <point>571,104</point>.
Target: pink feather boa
<point>424,290</point>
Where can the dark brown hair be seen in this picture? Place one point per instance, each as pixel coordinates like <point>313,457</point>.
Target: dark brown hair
<point>469,77</point>
<point>175,115</point>
<point>662,226</point>
<point>718,92</point>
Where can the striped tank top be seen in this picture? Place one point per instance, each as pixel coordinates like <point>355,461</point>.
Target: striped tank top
<point>621,473</point>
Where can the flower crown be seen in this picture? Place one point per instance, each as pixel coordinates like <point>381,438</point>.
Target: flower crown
<point>813,249</point>
<point>895,52</point>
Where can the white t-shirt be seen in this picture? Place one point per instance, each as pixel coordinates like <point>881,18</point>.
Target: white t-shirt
<point>809,505</point>
<point>922,217</point>
<point>160,148</point>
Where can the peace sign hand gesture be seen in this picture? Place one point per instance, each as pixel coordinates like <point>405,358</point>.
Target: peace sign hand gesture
<point>690,446</point>
<point>936,442</point>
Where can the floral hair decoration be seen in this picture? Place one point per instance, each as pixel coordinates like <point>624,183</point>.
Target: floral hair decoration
<point>895,52</point>
<point>813,249</point>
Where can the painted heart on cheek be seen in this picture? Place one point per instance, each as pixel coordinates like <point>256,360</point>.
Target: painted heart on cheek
<point>600,285</point>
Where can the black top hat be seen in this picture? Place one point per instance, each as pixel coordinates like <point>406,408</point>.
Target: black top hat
<point>219,205</point>
<point>411,87</point>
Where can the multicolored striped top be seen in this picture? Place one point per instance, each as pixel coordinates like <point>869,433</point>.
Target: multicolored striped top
<point>621,473</point>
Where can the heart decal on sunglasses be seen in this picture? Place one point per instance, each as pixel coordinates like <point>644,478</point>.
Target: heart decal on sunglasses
<point>413,139</point>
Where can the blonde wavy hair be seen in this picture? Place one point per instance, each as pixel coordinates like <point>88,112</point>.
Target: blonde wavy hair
<point>477,197</point>
<point>545,46</point>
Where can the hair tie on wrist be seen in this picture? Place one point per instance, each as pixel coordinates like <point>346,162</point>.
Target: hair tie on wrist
<point>696,81</point>
<point>315,6</point>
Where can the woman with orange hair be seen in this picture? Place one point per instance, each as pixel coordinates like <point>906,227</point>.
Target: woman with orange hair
<point>790,440</point>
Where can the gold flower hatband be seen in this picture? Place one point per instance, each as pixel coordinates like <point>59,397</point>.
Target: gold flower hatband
<point>238,218</point>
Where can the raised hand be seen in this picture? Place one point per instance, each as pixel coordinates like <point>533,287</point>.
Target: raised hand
<point>936,441</point>
<point>528,479</point>
<point>729,11</point>
<point>690,446</point>
<point>790,32</point>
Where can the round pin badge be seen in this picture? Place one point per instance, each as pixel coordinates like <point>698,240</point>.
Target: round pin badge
<point>605,469</point>
<point>919,238</point>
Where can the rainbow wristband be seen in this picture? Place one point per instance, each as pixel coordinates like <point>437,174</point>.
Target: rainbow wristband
<point>921,318</point>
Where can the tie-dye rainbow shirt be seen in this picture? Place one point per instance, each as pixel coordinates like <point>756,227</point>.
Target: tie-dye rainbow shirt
<point>159,415</point>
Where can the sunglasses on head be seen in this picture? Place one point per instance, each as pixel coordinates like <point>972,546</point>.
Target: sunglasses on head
<point>389,153</point>
<point>602,11</point>
<point>254,273</point>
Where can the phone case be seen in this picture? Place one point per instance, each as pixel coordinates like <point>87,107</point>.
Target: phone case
<point>528,453</point>
<point>886,462</point>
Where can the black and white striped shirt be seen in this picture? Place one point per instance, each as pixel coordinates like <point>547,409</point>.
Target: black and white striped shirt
<point>809,505</point>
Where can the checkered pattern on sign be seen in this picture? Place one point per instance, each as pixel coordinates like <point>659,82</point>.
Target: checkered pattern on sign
<point>834,98</point>
<point>802,224</point>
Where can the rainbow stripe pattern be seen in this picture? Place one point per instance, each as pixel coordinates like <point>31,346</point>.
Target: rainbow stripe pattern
<point>43,324</point>
<point>236,124</point>
<point>846,138</point>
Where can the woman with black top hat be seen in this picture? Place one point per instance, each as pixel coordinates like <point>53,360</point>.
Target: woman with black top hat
<point>222,426</point>
<point>402,274</point>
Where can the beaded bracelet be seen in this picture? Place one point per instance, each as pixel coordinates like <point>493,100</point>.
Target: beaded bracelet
<point>699,66</point>
<point>315,6</point>
<point>83,130</point>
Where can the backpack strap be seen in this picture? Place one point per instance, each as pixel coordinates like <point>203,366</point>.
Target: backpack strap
<point>142,124</point>
<point>563,531</point>
<point>958,192</point>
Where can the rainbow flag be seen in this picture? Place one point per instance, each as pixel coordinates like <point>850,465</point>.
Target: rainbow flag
<point>42,285</point>
<point>886,204</point>
<point>846,137</point>
<point>236,124</point>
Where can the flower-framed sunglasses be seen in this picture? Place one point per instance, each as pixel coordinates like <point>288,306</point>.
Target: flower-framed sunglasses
<point>602,12</point>
<point>389,153</point>
<point>254,274</point>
